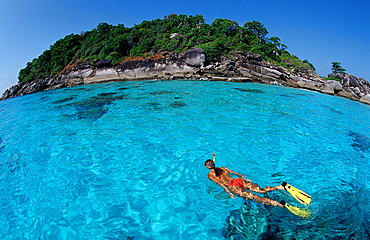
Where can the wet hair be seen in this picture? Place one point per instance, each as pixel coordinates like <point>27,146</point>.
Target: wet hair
<point>207,161</point>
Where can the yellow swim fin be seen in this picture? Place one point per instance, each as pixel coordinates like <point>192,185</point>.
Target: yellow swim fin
<point>297,194</point>
<point>304,213</point>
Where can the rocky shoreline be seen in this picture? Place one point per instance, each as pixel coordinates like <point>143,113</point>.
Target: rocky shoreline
<point>236,67</point>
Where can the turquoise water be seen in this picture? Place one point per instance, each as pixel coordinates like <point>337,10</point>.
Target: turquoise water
<point>125,161</point>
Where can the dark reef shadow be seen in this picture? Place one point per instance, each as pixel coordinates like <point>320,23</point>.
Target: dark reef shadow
<point>360,142</point>
<point>344,217</point>
<point>249,90</point>
<point>93,108</point>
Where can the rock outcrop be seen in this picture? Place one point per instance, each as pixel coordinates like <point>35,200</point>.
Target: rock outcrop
<point>195,57</point>
<point>237,67</point>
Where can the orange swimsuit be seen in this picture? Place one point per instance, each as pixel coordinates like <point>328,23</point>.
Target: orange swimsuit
<point>236,182</point>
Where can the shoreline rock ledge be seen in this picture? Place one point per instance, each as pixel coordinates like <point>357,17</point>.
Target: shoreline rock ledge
<point>236,67</point>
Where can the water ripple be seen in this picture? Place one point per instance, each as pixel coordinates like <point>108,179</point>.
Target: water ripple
<point>101,164</point>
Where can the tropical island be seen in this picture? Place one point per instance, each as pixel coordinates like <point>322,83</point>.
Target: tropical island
<point>179,47</point>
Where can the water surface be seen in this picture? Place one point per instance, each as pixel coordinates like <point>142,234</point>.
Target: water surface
<point>125,161</point>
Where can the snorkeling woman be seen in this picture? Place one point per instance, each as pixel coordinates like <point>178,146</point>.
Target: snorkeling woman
<point>237,186</point>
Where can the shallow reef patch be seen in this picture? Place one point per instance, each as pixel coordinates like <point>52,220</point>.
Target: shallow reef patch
<point>178,104</point>
<point>250,90</point>
<point>339,219</point>
<point>161,92</point>
<point>360,142</point>
<point>64,100</point>
<point>1,144</point>
<point>94,107</point>
<point>153,106</point>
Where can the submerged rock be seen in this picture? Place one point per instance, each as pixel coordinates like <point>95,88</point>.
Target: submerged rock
<point>1,144</point>
<point>339,219</point>
<point>360,142</point>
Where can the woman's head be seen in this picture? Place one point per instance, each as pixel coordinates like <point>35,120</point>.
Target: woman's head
<point>209,164</point>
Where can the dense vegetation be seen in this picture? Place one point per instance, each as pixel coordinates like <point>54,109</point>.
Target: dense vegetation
<point>173,33</point>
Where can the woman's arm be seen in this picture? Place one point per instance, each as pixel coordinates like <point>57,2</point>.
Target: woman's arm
<point>238,174</point>
<point>231,171</point>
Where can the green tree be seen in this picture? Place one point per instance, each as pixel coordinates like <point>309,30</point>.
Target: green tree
<point>104,27</point>
<point>225,27</point>
<point>277,43</point>
<point>257,29</point>
<point>336,67</point>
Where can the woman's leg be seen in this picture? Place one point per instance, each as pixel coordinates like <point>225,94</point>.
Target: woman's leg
<point>267,201</point>
<point>255,188</point>
<point>248,195</point>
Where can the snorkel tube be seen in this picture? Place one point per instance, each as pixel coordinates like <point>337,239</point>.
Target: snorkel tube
<point>214,157</point>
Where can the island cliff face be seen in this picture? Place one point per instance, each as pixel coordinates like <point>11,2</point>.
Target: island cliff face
<point>236,67</point>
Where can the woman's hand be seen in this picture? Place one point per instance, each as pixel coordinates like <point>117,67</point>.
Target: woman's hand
<point>232,195</point>
<point>246,179</point>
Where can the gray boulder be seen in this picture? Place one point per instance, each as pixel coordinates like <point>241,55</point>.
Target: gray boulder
<point>103,63</point>
<point>350,81</point>
<point>365,99</point>
<point>195,57</point>
<point>332,87</point>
